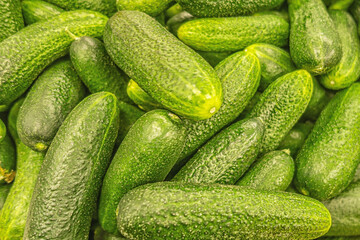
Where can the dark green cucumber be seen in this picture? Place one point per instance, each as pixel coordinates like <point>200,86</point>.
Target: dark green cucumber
<point>173,10</point>
<point>24,55</point>
<point>176,21</point>
<point>315,44</point>
<point>11,19</point>
<point>147,154</point>
<point>275,62</point>
<point>189,86</point>
<point>4,191</point>
<point>250,105</point>
<point>7,160</point>
<point>233,34</point>
<point>36,11</point>
<point>227,8</point>
<point>141,98</point>
<point>175,210</point>
<point>348,70</point>
<point>214,58</point>
<point>12,119</point>
<point>71,175</point>
<point>150,7</point>
<point>327,162</point>
<point>52,97</point>
<point>273,172</point>
<point>281,105</point>
<point>340,4</point>
<point>355,10</point>
<point>2,130</point>
<point>161,19</point>
<point>227,156</point>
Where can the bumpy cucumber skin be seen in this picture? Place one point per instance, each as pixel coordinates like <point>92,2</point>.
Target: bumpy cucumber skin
<point>227,156</point>
<point>273,172</point>
<point>327,162</point>
<point>107,7</point>
<point>281,105</point>
<point>234,34</point>
<point>24,55</point>
<point>315,44</point>
<point>147,154</point>
<point>175,210</point>
<point>96,69</point>
<point>4,191</point>
<point>12,119</point>
<point>169,71</point>
<point>275,62</point>
<point>7,160</point>
<point>214,58</point>
<point>150,7</point>
<point>340,4</point>
<point>176,21</point>
<point>35,11</point>
<point>140,97</point>
<point>348,70</point>
<point>250,105</point>
<point>173,10</point>
<point>227,8</point>
<point>11,19</point>
<point>2,130</point>
<point>52,97</point>
<point>75,164</point>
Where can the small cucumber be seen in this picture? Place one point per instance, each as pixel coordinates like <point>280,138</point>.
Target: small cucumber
<point>281,105</point>
<point>147,154</point>
<point>235,33</point>
<point>176,21</point>
<point>315,44</point>
<point>273,172</point>
<point>7,160</point>
<point>327,162</point>
<point>4,191</point>
<point>141,98</point>
<point>173,10</point>
<point>340,4</point>
<point>150,7</point>
<point>155,60</point>
<point>214,58</point>
<point>2,130</point>
<point>348,70</point>
<point>175,210</point>
<point>71,176</point>
<point>52,97</point>
<point>36,11</point>
<point>227,156</point>
<point>275,62</point>
<point>24,55</point>
<point>11,19</point>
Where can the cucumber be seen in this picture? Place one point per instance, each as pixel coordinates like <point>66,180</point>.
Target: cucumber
<point>2,130</point>
<point>70,178</point>
<point>173,10</point>
<point>281,13</point>
<point>36,11</point>
<point>96,69</point>
<point>7,160</point>
<point>340,238</point>
<point>147,154</point>
<point>26,54</point>
<point>273,172</point>
<point>345,212</point>
<point>174,210</point>
<point>227,8</point>
<point>340,5</point>
<point>348,70</point>
<point>193,91</point>
<point>227,156</point>
<point>235,33</point>
<point>140,97</point>
<point>161,19</point>
<point>355,10</point>
<point>275,62</point>
<point>327,162</point>
<point>11,19</point>
<point>4,191</point>
<point>357,175</point>
<point>250,105</point>
<point>150,7</point>
<point>176,21</point>
<point>12,119</point>
<point>52,97</point>
<point>214,58</point>
<point>281,105</point>
<point>315,44</point>
<point>100,234</point>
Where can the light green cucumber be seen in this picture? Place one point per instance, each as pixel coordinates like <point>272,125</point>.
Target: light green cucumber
<point>214,58</point>
<point>150,7</point>
<point>36,11</point>
<point>11,19</point>
<point>4,191</point>
<point>176,21</point>
<point>140,97</point>
<point>340,4</point>
<point>173,10</point>
<point>7,160</point>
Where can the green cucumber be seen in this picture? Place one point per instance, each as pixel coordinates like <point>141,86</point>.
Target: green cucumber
<point>340,238</point>
<point>7,160</point>
<point>327,162</point>
<point>348,70</point>
<point>235,33</point>
<point>227,8</point>
<point>12,119</point>
<point>357,174</point>
<point>355,10</point>
<point>273,172</point>
<point>52,97</point>
<point>315,44</point>
<point>11,19</point>
<point>340,5</point>
<point>140,97</point>
<point>173,10</point>
<point>214,58</point>
<point>150,7</point>
<point>281,105</point>
<point>193,91</point>
<point>275,62</point>
<point>36,11</point>
<point>175,210</point>
<point>4,191</point>
<point>96,69</point>
<point>100,234</point>
<point>147,154</point>
<point>281,13</point>
<point>176,21</point>
<point>250,105</point>
<point>70,178</point>
<point>24,55</point>
<point>2,130</point>
<point>227,156</point>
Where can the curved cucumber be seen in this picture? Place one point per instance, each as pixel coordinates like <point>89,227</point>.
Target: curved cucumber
<point>36,11</point>
<point>214,58</point>
<point>71,175</point>
<point>11,19</point>
<point>4,191</point>
<point>150,7</point>
<point>140,97</point>
<point>2,130</point>
<point>273,172</point>
<point>233,34</point>
<point>327,162</point>
<point>147,154</point>
<point>193,91</point>
<point>24,55</point>
<point>219,211</point>
<point>7,160</point>
<point>52,97</point>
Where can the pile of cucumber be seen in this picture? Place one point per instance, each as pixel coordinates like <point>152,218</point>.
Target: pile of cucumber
<point>179,120</point>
